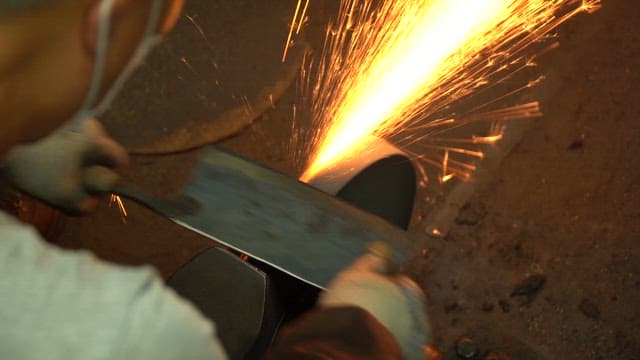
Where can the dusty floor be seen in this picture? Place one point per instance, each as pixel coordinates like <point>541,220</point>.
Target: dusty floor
<point>544,260</point>
<point>563,205</point>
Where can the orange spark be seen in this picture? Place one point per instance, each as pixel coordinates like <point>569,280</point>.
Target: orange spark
<point>446,176</point>
<point>115,199</point>
<point>385,67</point>
<point>296,25</point>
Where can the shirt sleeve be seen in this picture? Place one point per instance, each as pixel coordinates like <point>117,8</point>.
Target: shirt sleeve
<point>57,304</point>
<point>336,333</point>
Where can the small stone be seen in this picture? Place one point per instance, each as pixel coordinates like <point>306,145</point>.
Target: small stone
<point>529,285</point>
<point>529,288</point>
<point>589,309</point>
<point>451,306</point>
<point>576,145</point>
<point>504,306</point>
<point>487,306</point>
<point>471,215</point>
<point>466,348</point>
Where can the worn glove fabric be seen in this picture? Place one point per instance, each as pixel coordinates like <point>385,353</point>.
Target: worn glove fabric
<point>62,305</point>
<point>69,168</point>
<point>396,301</point>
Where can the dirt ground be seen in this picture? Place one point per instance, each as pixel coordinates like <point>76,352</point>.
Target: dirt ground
<point>562,213</point>
<point>541,263</point>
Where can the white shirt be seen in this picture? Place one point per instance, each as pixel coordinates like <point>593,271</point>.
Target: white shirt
<point>58,304</point>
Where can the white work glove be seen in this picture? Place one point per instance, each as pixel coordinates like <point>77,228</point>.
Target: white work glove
<point>69,169</point>
<point>395,301</point>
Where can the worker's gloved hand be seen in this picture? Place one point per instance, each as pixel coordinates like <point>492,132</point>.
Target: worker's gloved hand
<point>70,168</point>
<point>396,301</point>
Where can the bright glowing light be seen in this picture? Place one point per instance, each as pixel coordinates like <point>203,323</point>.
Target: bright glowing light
<point>117,200</point>
<point>384,67</point>
<point>296,25</point>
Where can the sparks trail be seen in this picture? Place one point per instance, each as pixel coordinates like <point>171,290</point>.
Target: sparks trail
<point>296,25</point>
<point>117,200</point>
<point>393,67</point>
<point>200,30</point>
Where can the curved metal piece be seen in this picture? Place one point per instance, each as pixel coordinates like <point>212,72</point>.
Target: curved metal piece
<point>334,178</point>
<point>386,188</point>
<point>380,180</point>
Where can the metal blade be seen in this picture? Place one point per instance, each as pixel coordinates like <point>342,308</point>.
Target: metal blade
<point>278,220</point>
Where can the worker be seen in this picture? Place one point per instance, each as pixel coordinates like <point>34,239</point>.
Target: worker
<point>61,62</point>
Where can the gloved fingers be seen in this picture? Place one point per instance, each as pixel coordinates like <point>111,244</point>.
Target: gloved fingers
<point>104,151</point>
<point>77,203</point>
<point>420,333</point>
<point>88,204</point>
<point>409,285</point>
<point>101,148</point>
<point>93,127</point>
<point>99,179</point>
<point>370,263</point>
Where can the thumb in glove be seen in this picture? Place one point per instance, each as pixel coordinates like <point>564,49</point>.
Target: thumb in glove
<point>69,168</point>
<point>394,300</point>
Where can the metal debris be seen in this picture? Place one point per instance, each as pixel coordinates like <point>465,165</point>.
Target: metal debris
<point>589,309</point>
<point>528,288</point>
<point>466,348</point>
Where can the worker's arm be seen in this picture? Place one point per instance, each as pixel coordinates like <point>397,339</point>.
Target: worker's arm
<point>57,304</point>
<point>363,314</point>
<point>68,169</point>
